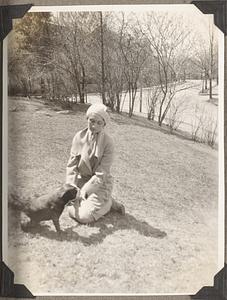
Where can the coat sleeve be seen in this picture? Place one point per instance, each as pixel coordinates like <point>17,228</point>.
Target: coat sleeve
<point>107,159</point>
<point>103,170</point>
<point>71,168</point>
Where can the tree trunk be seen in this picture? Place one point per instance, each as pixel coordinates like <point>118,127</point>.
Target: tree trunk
<point>118,103</point>
<point>130,101</point>
<point>160,110</point>
<point>24,88</point>
<point>29,87</point>
<point>184,78</point>
<point>152,114</point>
<point>102,59</point>
<point>52,86</point>
<point>42,86</point>
<point>86,97</point>
<point>149,115</point>
<point>82,97</point>
<point>141,99</point>
<point>206,84</point>
<point>202,91</point>
<point>210,80</point>
<point>133,98</point>
<point>82,90</point>
<point>130,113</point>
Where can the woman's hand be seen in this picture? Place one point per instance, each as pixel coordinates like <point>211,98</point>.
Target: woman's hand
<point>92,185</point>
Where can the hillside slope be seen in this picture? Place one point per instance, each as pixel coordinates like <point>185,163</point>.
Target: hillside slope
<point>166,243</point>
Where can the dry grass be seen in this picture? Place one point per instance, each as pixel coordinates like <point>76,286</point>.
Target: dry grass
<point>166,243</point>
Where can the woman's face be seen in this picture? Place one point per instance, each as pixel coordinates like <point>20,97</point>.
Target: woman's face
<point>95,123</point>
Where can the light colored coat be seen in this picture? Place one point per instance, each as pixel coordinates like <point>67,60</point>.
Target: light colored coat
<point>92,173</point>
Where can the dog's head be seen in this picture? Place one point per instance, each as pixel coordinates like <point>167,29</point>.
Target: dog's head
<point>68,192</point>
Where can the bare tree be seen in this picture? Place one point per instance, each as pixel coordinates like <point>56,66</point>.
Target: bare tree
<point>204,126</point>
<point>206,59</point>
<point>175,114</point>
<point>133,48</point>
<point>212,58</point>
<point>114,77</point>
<point>152,98</point>
<point>197,123</point>
<point>74,37</point>
<point>167,39</point>
<point>31,51</point>
<point>209,129</point>
<point>114,64</point>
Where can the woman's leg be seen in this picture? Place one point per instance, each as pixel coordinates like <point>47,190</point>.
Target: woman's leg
<point>80,213</point>
<point>89,210</point>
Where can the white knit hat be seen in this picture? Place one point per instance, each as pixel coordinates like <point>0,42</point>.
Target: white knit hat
<point>99,109</point>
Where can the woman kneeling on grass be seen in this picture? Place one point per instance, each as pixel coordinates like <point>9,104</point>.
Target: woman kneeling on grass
<point>89,169</point>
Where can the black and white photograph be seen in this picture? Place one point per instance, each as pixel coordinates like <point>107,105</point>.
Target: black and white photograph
<point>115,148</point>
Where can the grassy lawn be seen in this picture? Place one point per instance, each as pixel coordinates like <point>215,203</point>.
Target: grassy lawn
<point>166,243</point>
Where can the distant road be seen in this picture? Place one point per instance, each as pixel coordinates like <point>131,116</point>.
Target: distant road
<point>193,105</point>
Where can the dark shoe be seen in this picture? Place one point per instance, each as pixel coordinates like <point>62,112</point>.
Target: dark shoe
<point>118,207</point>
<point>121,209</point>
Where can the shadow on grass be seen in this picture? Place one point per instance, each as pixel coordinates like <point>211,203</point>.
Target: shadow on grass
<point>106,226</point>
<point>72,107</point>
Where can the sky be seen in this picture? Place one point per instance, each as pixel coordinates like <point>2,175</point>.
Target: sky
<point>192,15</point>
